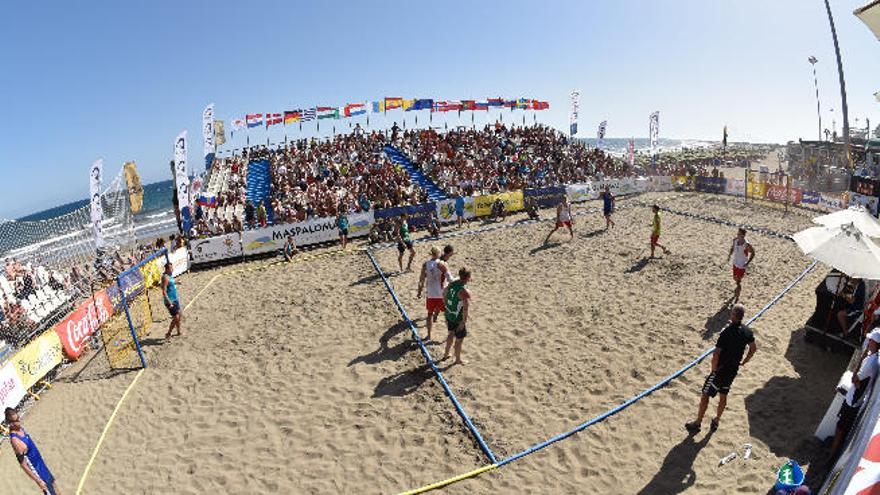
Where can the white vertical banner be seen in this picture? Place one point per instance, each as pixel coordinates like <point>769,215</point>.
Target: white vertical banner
<point>575,107</point>
<point>632,152</point>
<point>208,135</point>
<point>600,134</point>
<point>181,179</point>
<point>97,210</point>
<point>654,130</point>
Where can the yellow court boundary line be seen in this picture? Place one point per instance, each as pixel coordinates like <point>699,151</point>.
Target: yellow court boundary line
<point>460,477</point>
<point>85,474</point>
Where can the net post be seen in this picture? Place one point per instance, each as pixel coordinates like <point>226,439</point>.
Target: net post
<point>134,336</point>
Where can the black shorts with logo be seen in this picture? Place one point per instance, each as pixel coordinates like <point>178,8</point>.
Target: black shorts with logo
<point>846,417</point>
<point>452,327</point>
<point>718,382</point>
<point>403,246</point>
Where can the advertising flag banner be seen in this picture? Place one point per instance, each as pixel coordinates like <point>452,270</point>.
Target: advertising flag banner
<point>96,208</point>
<point>573,114</point>
<point>11,388</point>
<point>654,129</point>
<point>219,133</point>
<point>631,149</point>
<point>600,135</point>
<point>135,189</point>
<point>208,135</point>
<point>181,180</point>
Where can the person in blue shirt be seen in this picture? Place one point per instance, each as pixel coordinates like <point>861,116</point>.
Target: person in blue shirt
<point>28,455</point>
<point>459,209</point>
<point>608,207</point>
<point>169,297</point>
<point>342,224</point>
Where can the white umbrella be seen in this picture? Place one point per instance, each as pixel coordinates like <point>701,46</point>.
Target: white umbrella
<point>842,247</point>
<point>859,217</point>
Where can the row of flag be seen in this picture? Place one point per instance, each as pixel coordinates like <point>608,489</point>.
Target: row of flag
<point>391,103</point>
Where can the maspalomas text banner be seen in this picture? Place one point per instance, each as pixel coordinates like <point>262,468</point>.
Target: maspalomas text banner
<point>37,358</point>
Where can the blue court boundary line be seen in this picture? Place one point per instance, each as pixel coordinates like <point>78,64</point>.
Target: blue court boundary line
<point>657,386</point>
<point>464,416</point>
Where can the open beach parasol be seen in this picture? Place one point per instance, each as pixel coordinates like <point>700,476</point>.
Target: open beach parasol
<point>842,247</point>
<point>863,221</point>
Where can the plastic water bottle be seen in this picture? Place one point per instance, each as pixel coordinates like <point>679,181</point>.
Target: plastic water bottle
<point>731,456</point>
<point>748,452</point>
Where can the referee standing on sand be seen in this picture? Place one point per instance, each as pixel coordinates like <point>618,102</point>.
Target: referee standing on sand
<point>729,351</point>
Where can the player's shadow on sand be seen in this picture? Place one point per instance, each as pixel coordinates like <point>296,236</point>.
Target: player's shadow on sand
<point>677,474</point>
<point>369,279</point>
<point>544,247</point>
<point>386,353</point>
<point>593,233</point>
<point>403,383</point>
<point>639,265</point>
<point>716,322</point>
<point>785,411</point>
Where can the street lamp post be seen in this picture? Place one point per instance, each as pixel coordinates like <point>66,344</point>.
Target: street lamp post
<point>813,61</point>
<point>842,82</point>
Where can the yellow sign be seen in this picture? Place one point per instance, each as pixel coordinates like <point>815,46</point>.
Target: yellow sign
<point>135,189</point>
<point>38,358</point>
<point>756,189</point>
<point>513,201</point>
<point>152,272</point>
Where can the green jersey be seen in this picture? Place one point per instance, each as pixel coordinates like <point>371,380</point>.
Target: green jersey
<point>655,224</point>
<point>404,232</point>
<point>452,301</point>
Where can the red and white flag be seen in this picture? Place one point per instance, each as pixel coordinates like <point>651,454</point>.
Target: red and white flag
<point>273,119</point>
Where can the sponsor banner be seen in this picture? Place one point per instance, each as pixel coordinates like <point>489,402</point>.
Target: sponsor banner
<point>132,284</point>
<point>179,260</point>
<point>75,328</point>
<point>869,202</point>
<point>810,197</point>
<point>546,196</point>
<point>641,184</point>
<point>832,201</point>
<point>96,206</point>
<point>446,209</point>
<point>661,183</point>
<point>619,186</point>
<point>513,201</point>
<point>682,183</point>
<point>778,194</point>
<point>582,192</point>
<point>152,271</point>
<point>715,185</point>
<point>418,215</point>
<point>218,248</point>
<point>11,388</point>
<point>864,186</point>
<point>304,233</point>
<point>37,358</point>
<point>735,187</point>
<point>756,189</point>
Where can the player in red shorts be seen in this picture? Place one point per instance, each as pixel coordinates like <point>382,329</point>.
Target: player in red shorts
<point>655,231</point>
<point>563,218</point>
<point>434,275</point>
<point>743,253</point>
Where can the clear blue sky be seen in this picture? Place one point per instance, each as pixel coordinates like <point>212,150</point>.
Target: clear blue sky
<point>119,80</point>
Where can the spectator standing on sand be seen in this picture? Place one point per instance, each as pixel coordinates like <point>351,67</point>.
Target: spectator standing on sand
<point>28,455</point>
<point>342,225</point>
<point>608,207</point>
<point>457,300</point>
<point>655,231</point>
<point>459,209</point>
<point>743,253</point>
<point>726,361</point>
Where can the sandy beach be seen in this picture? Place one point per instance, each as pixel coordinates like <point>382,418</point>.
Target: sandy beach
<point>301,378</point>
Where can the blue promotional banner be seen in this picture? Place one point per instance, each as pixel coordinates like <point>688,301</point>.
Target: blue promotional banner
<point>546,196</point>
<point>710,184</point>
<point>418,215</point>
<point>132,284</point>
<point>811,197</point>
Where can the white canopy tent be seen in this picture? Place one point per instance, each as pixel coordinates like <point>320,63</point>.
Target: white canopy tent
<point>870,15</point>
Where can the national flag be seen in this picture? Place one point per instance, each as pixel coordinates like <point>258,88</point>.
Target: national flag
<point>481,105</point>
<point>453,105</point>
<point>524,104</point>
<point>407,105</point>
<point>496,102</point>
<point>440,106</point>
<point>468,105</point>
<point>511,104</point>
<point>237,124</point>
<point>393,102</point>
<point>309,114</point>
<point>540,105</point>
<point>353,109</point>
<point>379,106</point>
<point>254,119</point>
<point>273,119</point>
<point>327,112</point>
<point>423,104</point>
<point>291,116</point>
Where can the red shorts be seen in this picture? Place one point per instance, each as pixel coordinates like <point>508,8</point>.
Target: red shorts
<point>738,273</point>
<point>560,224</point>
<point>435,304</point>
<point>654,239</point>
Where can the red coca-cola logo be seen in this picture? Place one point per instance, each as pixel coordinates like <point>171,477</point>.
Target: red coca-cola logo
<point>79,325</point>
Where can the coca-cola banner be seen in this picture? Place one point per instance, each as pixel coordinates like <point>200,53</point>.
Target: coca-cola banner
<point>11,389</point>
<point>778,193</point>
<point>79,325</point>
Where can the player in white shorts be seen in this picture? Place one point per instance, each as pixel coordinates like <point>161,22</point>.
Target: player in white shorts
<point>433,278</point>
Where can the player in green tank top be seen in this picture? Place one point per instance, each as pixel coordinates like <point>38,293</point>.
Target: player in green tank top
<point>404,243</point>
<point>457,300</point>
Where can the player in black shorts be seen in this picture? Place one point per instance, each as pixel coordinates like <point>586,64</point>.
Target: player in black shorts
<point>726,359</point>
